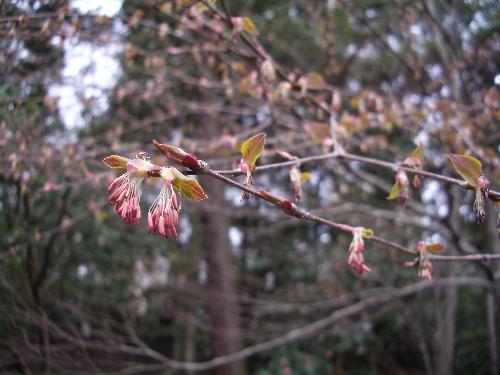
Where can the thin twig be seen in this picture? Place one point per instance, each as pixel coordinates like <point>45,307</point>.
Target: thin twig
<point>362,159</point>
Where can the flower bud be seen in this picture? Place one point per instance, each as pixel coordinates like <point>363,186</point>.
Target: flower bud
<point>267,71</point>
<point>177,155</point>
<point>356,249</point>
<point>116,162</point>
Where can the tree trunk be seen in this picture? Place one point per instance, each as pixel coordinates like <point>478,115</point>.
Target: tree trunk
<point>222,303</point>
<point>221,297</point>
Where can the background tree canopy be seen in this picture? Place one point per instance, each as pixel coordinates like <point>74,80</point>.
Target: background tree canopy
<point>247,288</point>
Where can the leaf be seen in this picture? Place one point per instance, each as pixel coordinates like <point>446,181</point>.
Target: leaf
<point>315,81</point>
<point>304,177</point>
<point>116,162</point>
<point>467,167</point>
<point>367,233</point>
<point>434,247</point>
<point>249,26</point>
<point>395,190</point>
<point>187,187</point>
<point>418,153</point>
<point>252,149</point>
<point>298,179</point>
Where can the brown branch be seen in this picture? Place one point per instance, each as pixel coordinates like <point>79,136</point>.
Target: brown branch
<point>309,329</point>
<point>300,213</point>
<point>362,159</point>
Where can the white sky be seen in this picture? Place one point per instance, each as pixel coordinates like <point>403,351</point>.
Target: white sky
<point>89,69</point>
<point>104,7</point>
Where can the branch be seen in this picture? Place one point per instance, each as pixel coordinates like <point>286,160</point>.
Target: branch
<point>361,159</point>
<point>301,213</point>
<point>309,329</point>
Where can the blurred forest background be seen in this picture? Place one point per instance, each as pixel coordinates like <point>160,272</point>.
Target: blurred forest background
<point>83,293</point>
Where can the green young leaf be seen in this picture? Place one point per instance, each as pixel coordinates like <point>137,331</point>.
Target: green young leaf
<point>187,187</point>
<point>252,149</point>
<point>304,177</point>
<point>116,162</point>
<point>395,190</point>
<point>467,167</point>
<point>249,26</point>
<point>434,247</point>
<point>418,153</point>
<point>367,233</point>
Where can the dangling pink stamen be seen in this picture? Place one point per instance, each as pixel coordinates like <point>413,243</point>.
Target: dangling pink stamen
<point>125,191</point>
<point>163,215</point>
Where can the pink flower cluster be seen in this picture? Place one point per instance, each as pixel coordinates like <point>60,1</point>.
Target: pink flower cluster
<point>125,194</point>
<point>356,259</point>
<point>424,265</point>
<point>163,215</point>
<point>125,191</point>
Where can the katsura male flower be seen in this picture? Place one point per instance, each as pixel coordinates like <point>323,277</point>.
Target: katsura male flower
<point>163,214</point>
<point>471,171</point>
<point>125,191</point>
<point>423,262</point>
<point>400,188</point>
<point>356,249</point>
<point>481,195</point>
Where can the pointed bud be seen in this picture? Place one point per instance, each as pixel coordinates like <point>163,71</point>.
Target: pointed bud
<point>177,155</point>
<point>290,209</point>
<point>116,162</point>
<point>270,197</point>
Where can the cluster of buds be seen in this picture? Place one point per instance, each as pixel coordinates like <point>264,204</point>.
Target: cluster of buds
<point>400,189</point>
<point>356,259</point>
<point>402,181</point>
<point>414,160</point>
<point>423,262</point>
<point>125,190</point>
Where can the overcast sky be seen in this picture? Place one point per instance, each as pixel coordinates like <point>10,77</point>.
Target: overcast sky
<point>89,69</point>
